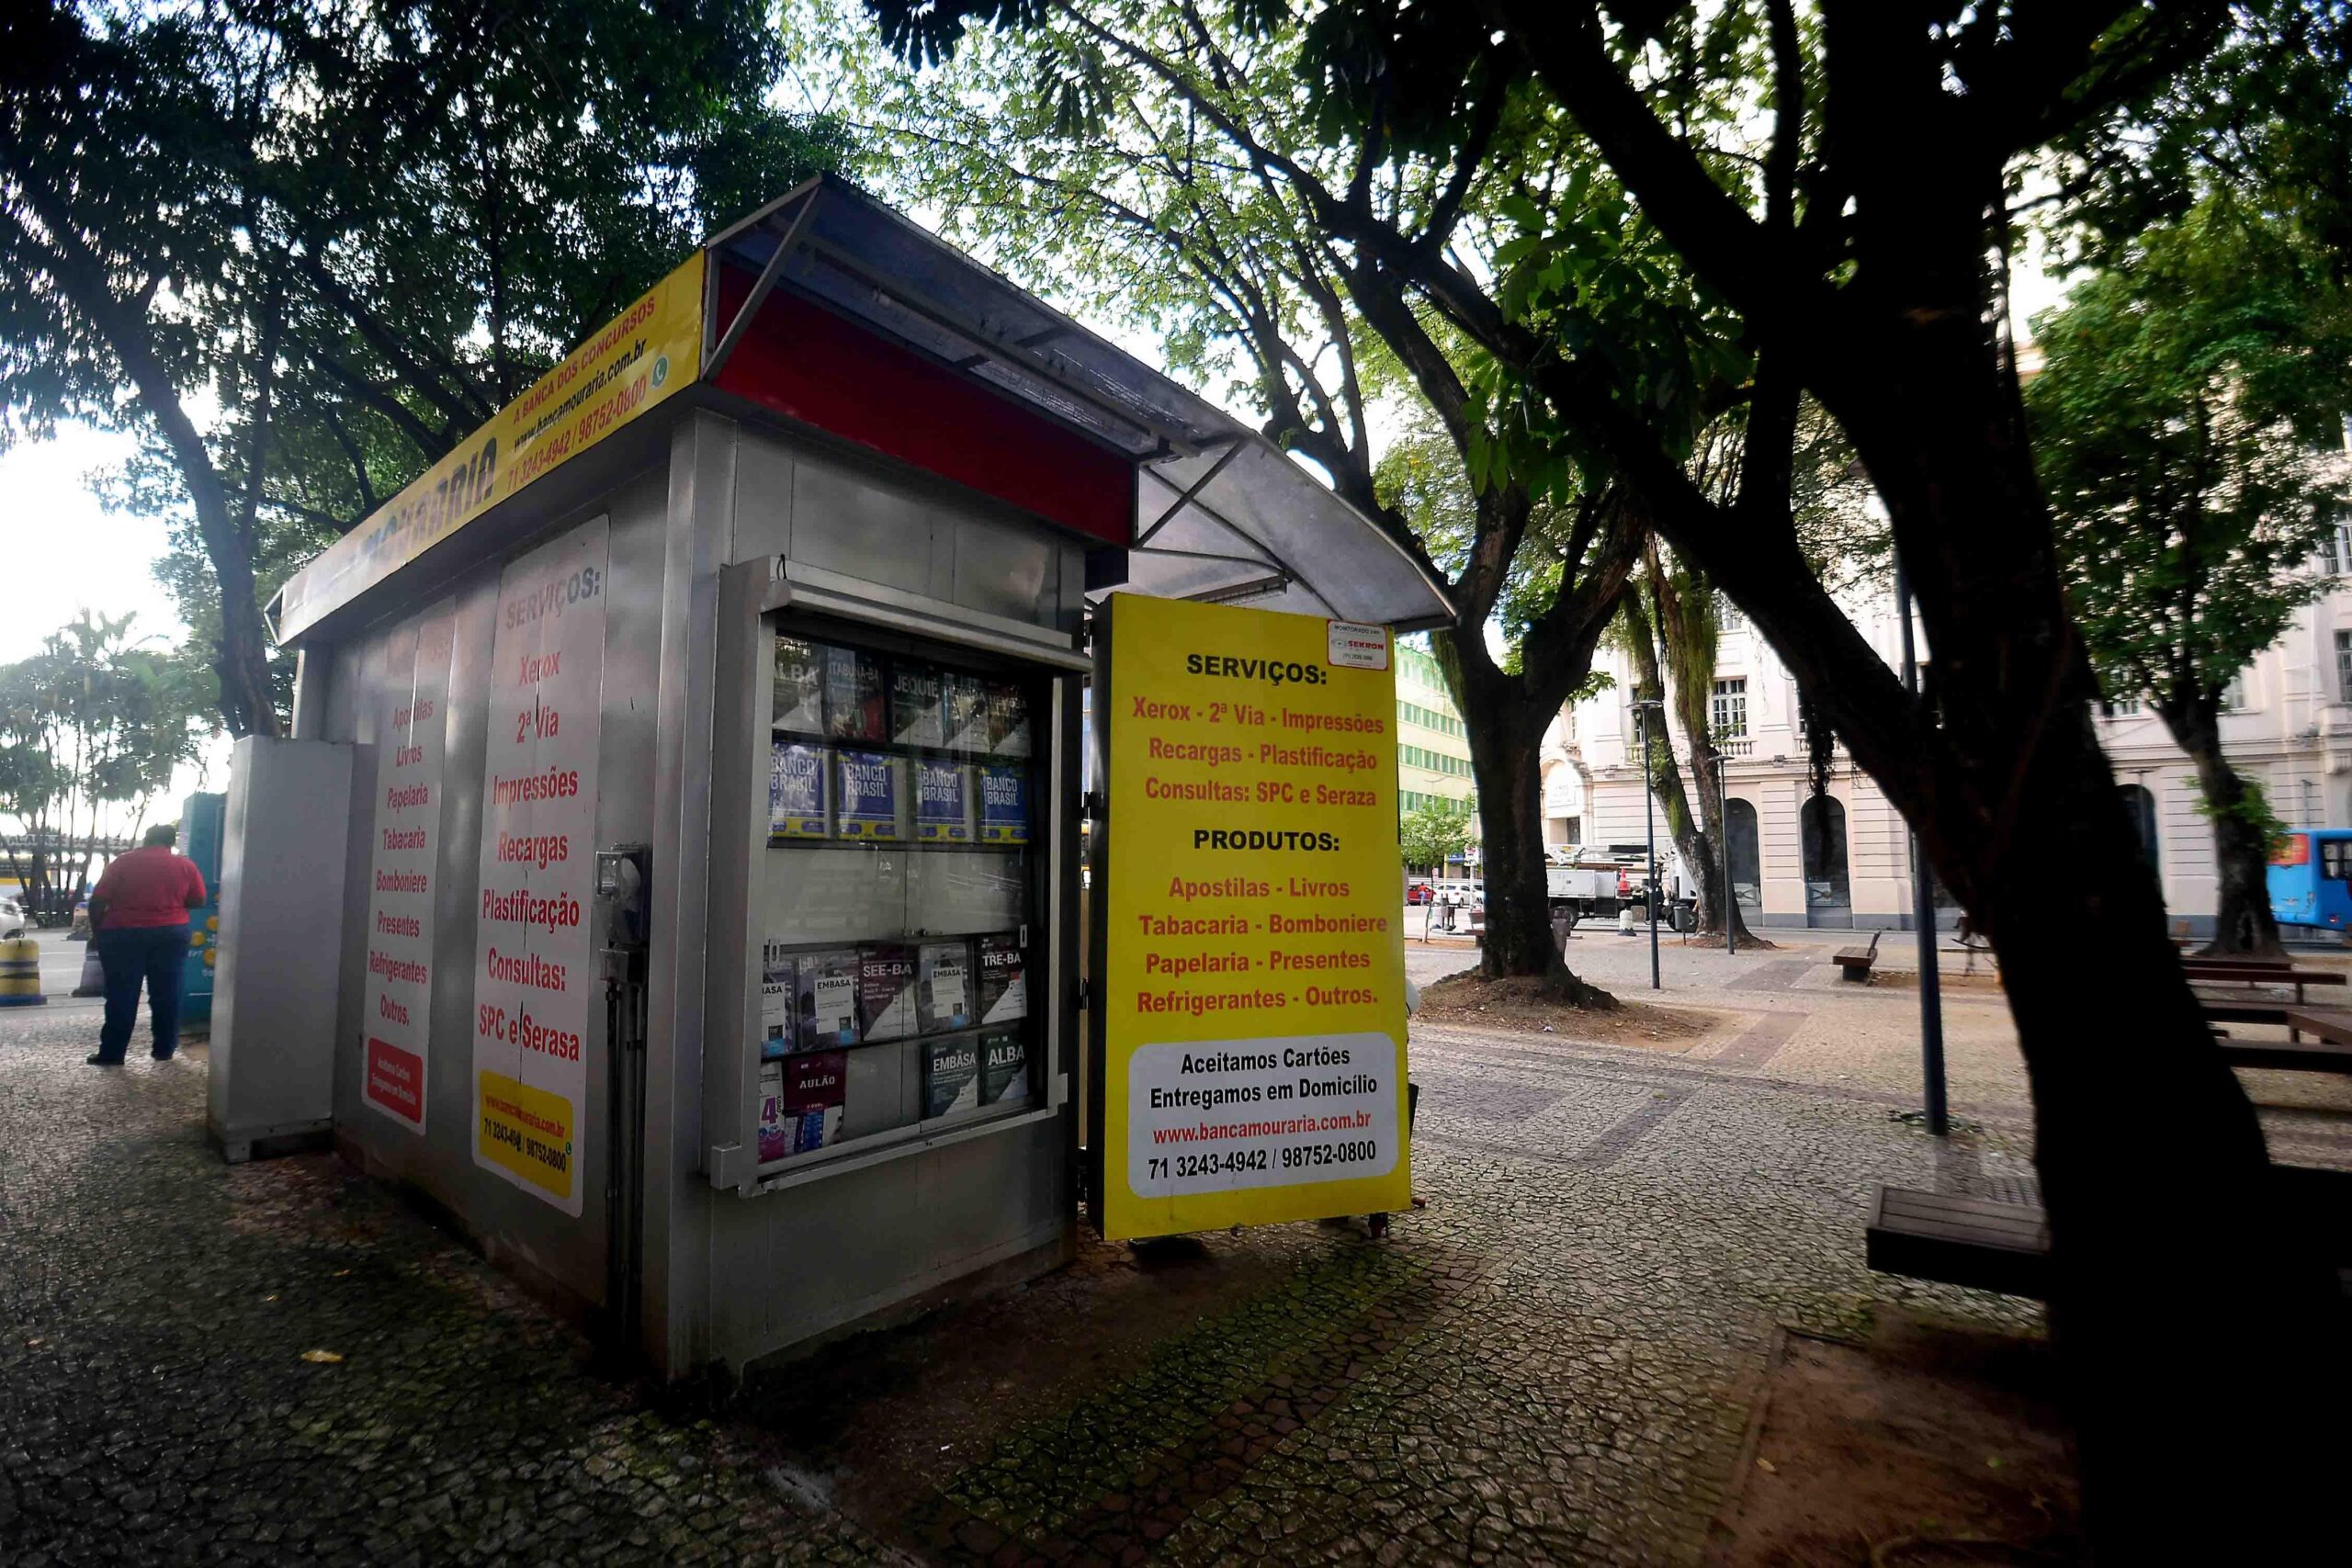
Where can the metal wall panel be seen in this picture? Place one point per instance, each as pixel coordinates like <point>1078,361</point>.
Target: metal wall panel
<point>281,889</point>
<point>510,1225</point>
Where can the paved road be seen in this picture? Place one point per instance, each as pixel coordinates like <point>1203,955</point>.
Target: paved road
<point>1553,1360</point>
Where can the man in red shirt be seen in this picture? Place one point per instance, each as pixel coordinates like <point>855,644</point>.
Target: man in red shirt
<point>139,918</point>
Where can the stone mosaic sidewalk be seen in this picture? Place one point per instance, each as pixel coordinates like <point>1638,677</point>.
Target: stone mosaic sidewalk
<point>1553,1361</point>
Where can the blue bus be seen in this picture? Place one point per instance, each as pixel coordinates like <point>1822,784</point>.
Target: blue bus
<point>2311,879</point>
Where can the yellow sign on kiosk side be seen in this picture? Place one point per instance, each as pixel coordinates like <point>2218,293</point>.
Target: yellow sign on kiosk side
<point>1250,999</point>
<point>642,356</point>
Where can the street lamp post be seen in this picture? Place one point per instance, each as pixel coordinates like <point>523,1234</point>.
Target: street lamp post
<point>1641,711</point>
<point>1923,910</point>
<point>1722,820</point>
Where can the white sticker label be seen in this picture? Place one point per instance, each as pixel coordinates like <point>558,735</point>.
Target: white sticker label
<point>1215,1116</point>
<point>1355,646</point>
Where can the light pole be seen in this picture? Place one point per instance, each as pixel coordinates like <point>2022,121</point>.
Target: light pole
<point>1722,820</point>
<point>1923,909</point>
<point>1643,709</point>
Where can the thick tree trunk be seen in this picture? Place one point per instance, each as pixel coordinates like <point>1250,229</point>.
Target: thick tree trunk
<point>2243,924</point>
<point>1717,898</point>
<point>1503,754</point>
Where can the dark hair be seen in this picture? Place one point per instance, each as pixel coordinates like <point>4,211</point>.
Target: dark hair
<point>163,833</point>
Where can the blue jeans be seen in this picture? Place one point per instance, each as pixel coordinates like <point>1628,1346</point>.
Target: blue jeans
<point>157,956</point>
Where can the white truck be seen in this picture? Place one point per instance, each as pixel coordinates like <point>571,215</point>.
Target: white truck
<point>1585,880</point>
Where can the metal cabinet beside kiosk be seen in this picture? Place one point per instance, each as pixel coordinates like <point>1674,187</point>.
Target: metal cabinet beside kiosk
<point>710,866</point>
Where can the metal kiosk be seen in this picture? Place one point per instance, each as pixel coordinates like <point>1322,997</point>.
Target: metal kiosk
<point>709,948</point>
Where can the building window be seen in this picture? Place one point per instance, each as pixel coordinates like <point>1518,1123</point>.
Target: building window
<point>2336,550</point>
<point>1727,616</point>
<point>2343,666</point>
<point>2238,695</point>
<point>2123,708</point>
<point>1730,714</point>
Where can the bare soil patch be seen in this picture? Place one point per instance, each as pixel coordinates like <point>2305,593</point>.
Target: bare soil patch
<point>1985,981</point>
<point>1519,1005</point>
<point>1928,1445</point>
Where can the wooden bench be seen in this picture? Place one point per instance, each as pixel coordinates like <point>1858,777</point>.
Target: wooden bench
<point>2005,1247</point>
<point>1854,963</point>
<point>1992,1245</point>
<point>1960,1241</point>
<point>2287,1056</point>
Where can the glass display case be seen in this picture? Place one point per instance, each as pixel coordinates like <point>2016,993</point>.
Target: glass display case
<point>902,794</point>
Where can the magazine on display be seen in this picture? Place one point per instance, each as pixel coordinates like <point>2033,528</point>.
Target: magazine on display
<point>825,991</point>
<point>866,797</point>
<point>1004,805</point>
<point>777,1002</point>
<point>855,701</point>
<point>1008,720</point>
<point>951,1077</point>
<point>915,715</point>
<point>816,1089</point>
<point>1004,980</point>
<point>799,776</point>
<point>943,989</point>
<point>886,991</point>
<point>943,801</point>
<point>799,703</point>
<point>776,1138</point>
<point>1005,1069</point>
<point>965,702</point>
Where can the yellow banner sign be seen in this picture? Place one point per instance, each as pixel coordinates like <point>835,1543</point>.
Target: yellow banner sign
<point>1252,983</point>
<point>651,349</point>
<point>527,1131</point>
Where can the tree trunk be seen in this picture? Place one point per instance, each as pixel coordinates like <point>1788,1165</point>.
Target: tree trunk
<point>1718,900</point>
<point>242,656</point>
<point>1693,691</point>
<point>1665,777</point>
<point>1503,754</point>
<point>2243,924</point>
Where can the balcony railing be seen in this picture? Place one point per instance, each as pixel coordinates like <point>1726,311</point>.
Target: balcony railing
<point>1740,746</point>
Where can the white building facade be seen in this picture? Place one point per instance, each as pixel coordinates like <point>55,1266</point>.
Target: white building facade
<point>1846,860</point>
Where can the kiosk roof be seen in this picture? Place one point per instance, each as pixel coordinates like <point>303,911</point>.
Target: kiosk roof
<point>1221,512</point>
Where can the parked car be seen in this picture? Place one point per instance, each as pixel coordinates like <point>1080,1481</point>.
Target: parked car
<point>1418,893</point>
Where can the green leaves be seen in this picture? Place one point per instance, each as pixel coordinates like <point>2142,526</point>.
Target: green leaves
<point>2183,429</point>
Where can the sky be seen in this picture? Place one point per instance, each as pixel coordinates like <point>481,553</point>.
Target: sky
<point>61,552</point>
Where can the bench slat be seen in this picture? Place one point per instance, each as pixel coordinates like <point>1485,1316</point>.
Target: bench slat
<point>1946,1205</point>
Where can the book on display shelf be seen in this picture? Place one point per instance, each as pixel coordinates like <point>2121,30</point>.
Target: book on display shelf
<point>886,991</point>
<point>857,702</point>
<point>916,717</point>
<point>777,1005</point>
<point>1005,1069</point>
<point>815,1092</point>
<point>825,993</point>
<point>775,1138</point>
<point>943,801</point>
<point>965,704</point>
<point>799,701</point>
<point>943,986</point>
<point>799,790</point>
<point>1004,804</point>
<point>1008,709</point>
<point>1003,984</point>
<point>951,1076</point>
<point>865,795</point>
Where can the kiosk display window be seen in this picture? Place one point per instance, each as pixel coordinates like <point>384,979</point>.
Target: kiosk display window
<point>899,896</point>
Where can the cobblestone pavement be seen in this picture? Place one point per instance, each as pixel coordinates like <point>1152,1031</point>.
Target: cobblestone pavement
<point>1553,1360</point>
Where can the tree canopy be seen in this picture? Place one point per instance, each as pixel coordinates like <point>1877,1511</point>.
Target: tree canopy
<point>304,248</point>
